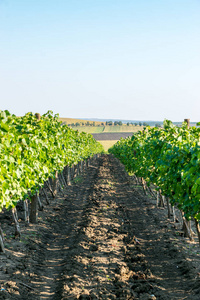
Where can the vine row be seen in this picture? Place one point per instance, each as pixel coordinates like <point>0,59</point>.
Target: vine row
<point>36,152</point>
<point>169,158</point>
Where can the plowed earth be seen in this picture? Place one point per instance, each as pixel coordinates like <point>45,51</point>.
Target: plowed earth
<point>102,240</point>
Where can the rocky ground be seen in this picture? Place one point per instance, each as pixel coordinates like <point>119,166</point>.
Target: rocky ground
<point>103,239</point>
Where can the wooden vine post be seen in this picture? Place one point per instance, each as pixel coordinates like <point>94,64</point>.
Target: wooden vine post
<point>188,122</point>
<point>160,199</point>
<point>78,169</point>
<point>55,184</point>
<point>72,172</point>
<point>26,213</point>
<point>37,115</point>
<point>15,218</point>
<point>34,209</point>
<point>81,166</point>
<point>175,219</point>
<point>198,229</point>
<point>88,162</point>
<point>168,208</point>
<point>63,178</point>
<point>2,249</point>
<point>46,196</point>
<point>48,185</point>
<point>144,186</point>
<point>40,205</point>
<point>69,175</point>
<point>186,227</point>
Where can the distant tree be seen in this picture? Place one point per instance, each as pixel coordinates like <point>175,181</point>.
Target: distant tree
<point>118,123</point>
<point>157,125</point>
<point>110,123</point>
<point>145,124</point>
<point>140,124</point>
<point>77,124</point>
<point>135,124</point>
<point>102,124</point>
<point>128,124</point>
<point>93,124</point>
<point>72,124</point>
<point>87,123</point>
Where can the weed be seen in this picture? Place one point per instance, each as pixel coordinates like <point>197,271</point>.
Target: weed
<point>78,179</point>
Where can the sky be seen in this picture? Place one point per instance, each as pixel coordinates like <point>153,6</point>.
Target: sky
<point>106,59</point>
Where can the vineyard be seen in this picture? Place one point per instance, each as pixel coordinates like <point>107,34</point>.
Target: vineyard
<point>34,150</point>
<point>79,224</point>
<point>169,159</point>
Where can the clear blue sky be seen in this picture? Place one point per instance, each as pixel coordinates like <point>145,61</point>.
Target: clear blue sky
<point>125,59</point>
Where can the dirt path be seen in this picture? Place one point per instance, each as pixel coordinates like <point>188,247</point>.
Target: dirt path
<point>103,240</point>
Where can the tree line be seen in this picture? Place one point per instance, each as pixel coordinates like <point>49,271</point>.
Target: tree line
<point>110,123</point>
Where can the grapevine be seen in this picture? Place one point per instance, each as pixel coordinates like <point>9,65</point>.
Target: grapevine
<point>168,157</point>
<point>33,150</point>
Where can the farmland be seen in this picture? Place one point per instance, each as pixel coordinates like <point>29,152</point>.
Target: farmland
<point>107,135</point>
<point>107,128</point>
<point>100,238</point>
<point>89,129</point>
<point>107,143</point>
<point>85,228</point>
<point>70,121</point>
<point>89,126</point>
<point>122,128</point>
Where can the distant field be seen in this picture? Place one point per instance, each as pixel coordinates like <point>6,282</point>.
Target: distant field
<point>111,136</point>
<point>107,129</point>
<point>123,128</point>
<point>107,144</point>
<point>89,129</point>
<point>108,139</point>
<point>107,135</point>
<point>71,120</point>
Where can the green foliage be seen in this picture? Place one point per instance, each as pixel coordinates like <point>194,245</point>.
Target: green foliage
<point>110,123</point>
<point>118,123</point>
<point>32,150</point>
<point>169,157</point>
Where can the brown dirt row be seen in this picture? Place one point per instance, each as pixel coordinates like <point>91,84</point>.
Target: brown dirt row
<point>102,240</point>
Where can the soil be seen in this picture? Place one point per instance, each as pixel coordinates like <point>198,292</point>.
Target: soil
<point>101,238</point>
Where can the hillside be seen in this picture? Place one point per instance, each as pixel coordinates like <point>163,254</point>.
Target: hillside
<point>71,121</point>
